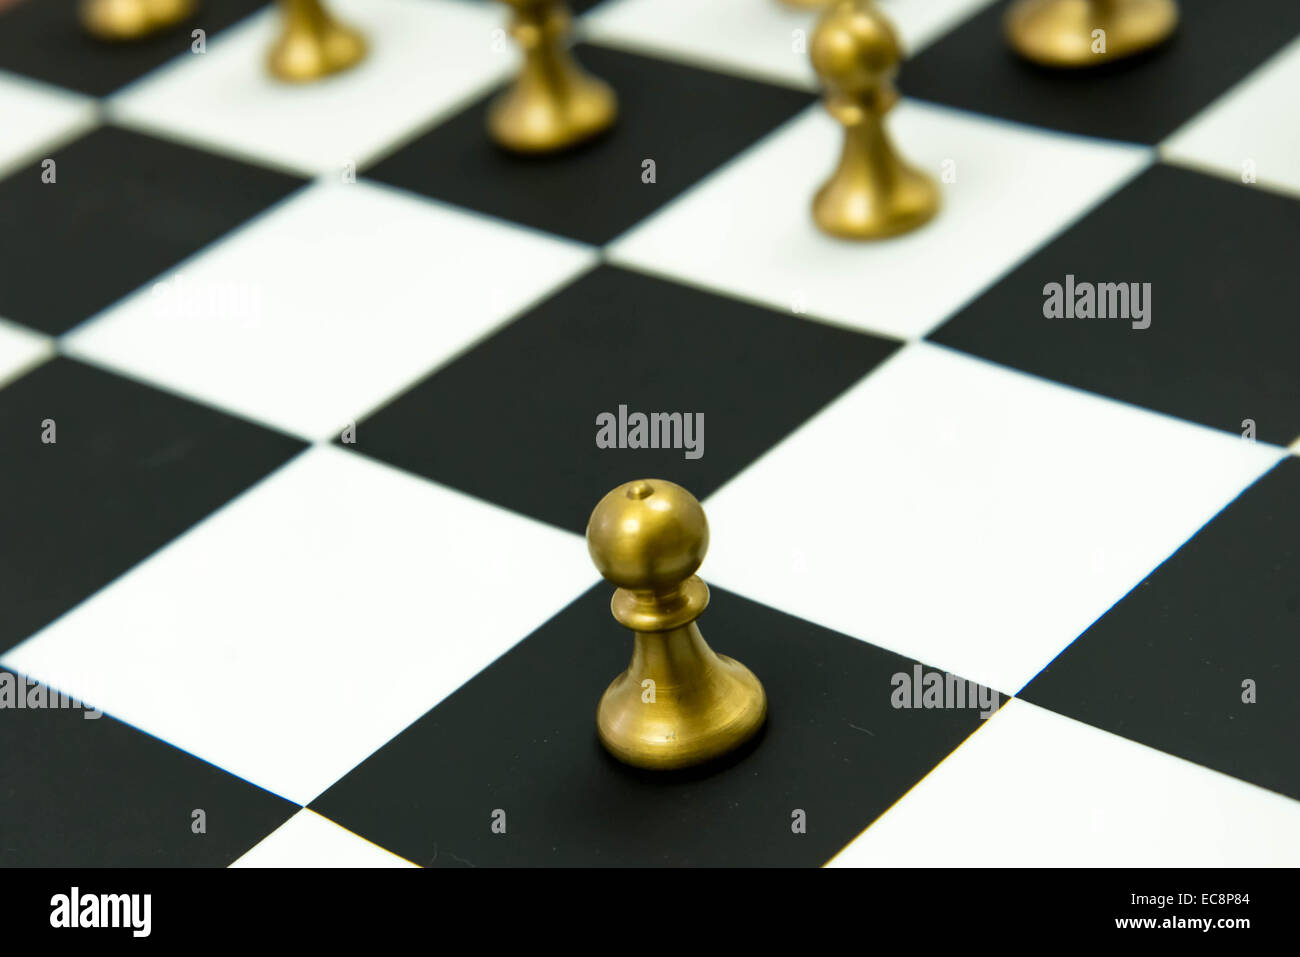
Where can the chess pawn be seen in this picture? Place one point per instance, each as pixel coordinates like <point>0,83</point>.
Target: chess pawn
<point>1075,33</point>
<point>121,20</point>
<point>678,703</point>
<point>873,193</point>
<point>312,44</point>
<point>553,103</point>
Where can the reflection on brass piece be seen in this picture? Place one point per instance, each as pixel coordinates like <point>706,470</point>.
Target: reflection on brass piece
<point>873,193</point>
<point>553,103</point>
<point>678,703</point>
<point>808,4</point>
<point>133,19</point>
<point>1061,32</point>
<point>313,44</point>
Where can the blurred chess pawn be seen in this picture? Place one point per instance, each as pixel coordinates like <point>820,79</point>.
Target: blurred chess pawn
<point>1075,33</point>
<point>808,4</point>
<point>873,193</point>
<point>121,20</point>
<point>553,103</point>
<point>312,44</point>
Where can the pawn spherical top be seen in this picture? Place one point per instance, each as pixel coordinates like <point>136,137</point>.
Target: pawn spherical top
<point>854,49</point>
<point>648,535</point>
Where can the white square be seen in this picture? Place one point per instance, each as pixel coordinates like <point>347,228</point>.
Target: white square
<point>329,304</point>
<point>309,840</point>
<point>426,58</point>
<point>748,229</point>
<point>762,38</point>
<point>21,349</point>
<point>1255,126</point>
<point>36,117</point>
<point>299,628</point>
<point>1034,789</point>
<point>968,516</point>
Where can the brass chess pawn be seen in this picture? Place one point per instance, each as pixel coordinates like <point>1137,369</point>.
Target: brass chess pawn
<point>312,44</point>
<point>873,193</point>
<point>553,103</point>
<point>124,20</point>
<point>1076,33</point>
<point>678,703</point>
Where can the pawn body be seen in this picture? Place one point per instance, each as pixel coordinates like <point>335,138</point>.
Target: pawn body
<point>678,703</point>
<point>553,103</point>
<point>1081,33</point>
<point>873,193</point>
<point>125,20</point>
<point>312,44</point>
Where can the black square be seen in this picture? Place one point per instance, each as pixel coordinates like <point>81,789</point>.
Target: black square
<point>123,208</point>
<point>513,421</point>
<point>1165,666</point>
<point>130,468</point>
<point>44,39</point>
<point>688,120</point>
<point>1140,99</point>
<point>78,791</point>
<point>521,738</point>
<point>1223,340</point>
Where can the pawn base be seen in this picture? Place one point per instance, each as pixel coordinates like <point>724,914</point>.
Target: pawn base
<point>851,208</point>
<point>310,51</point>
<point>121,21</point>
<point>534,118</point>
<point>1060,33</point>
<point>679,704</point>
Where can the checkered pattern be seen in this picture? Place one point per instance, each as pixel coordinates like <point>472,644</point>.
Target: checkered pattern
<point>309,533</point>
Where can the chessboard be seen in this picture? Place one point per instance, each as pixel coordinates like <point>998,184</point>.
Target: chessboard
<point>298,426</point>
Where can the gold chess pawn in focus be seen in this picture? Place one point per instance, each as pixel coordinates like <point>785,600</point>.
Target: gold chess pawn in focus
<point>873,193</point>
<point>553,103</point>
<point>1064,33</point>
<point>678,703</point>
<point>122,20</point>
<point>312,44</point>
